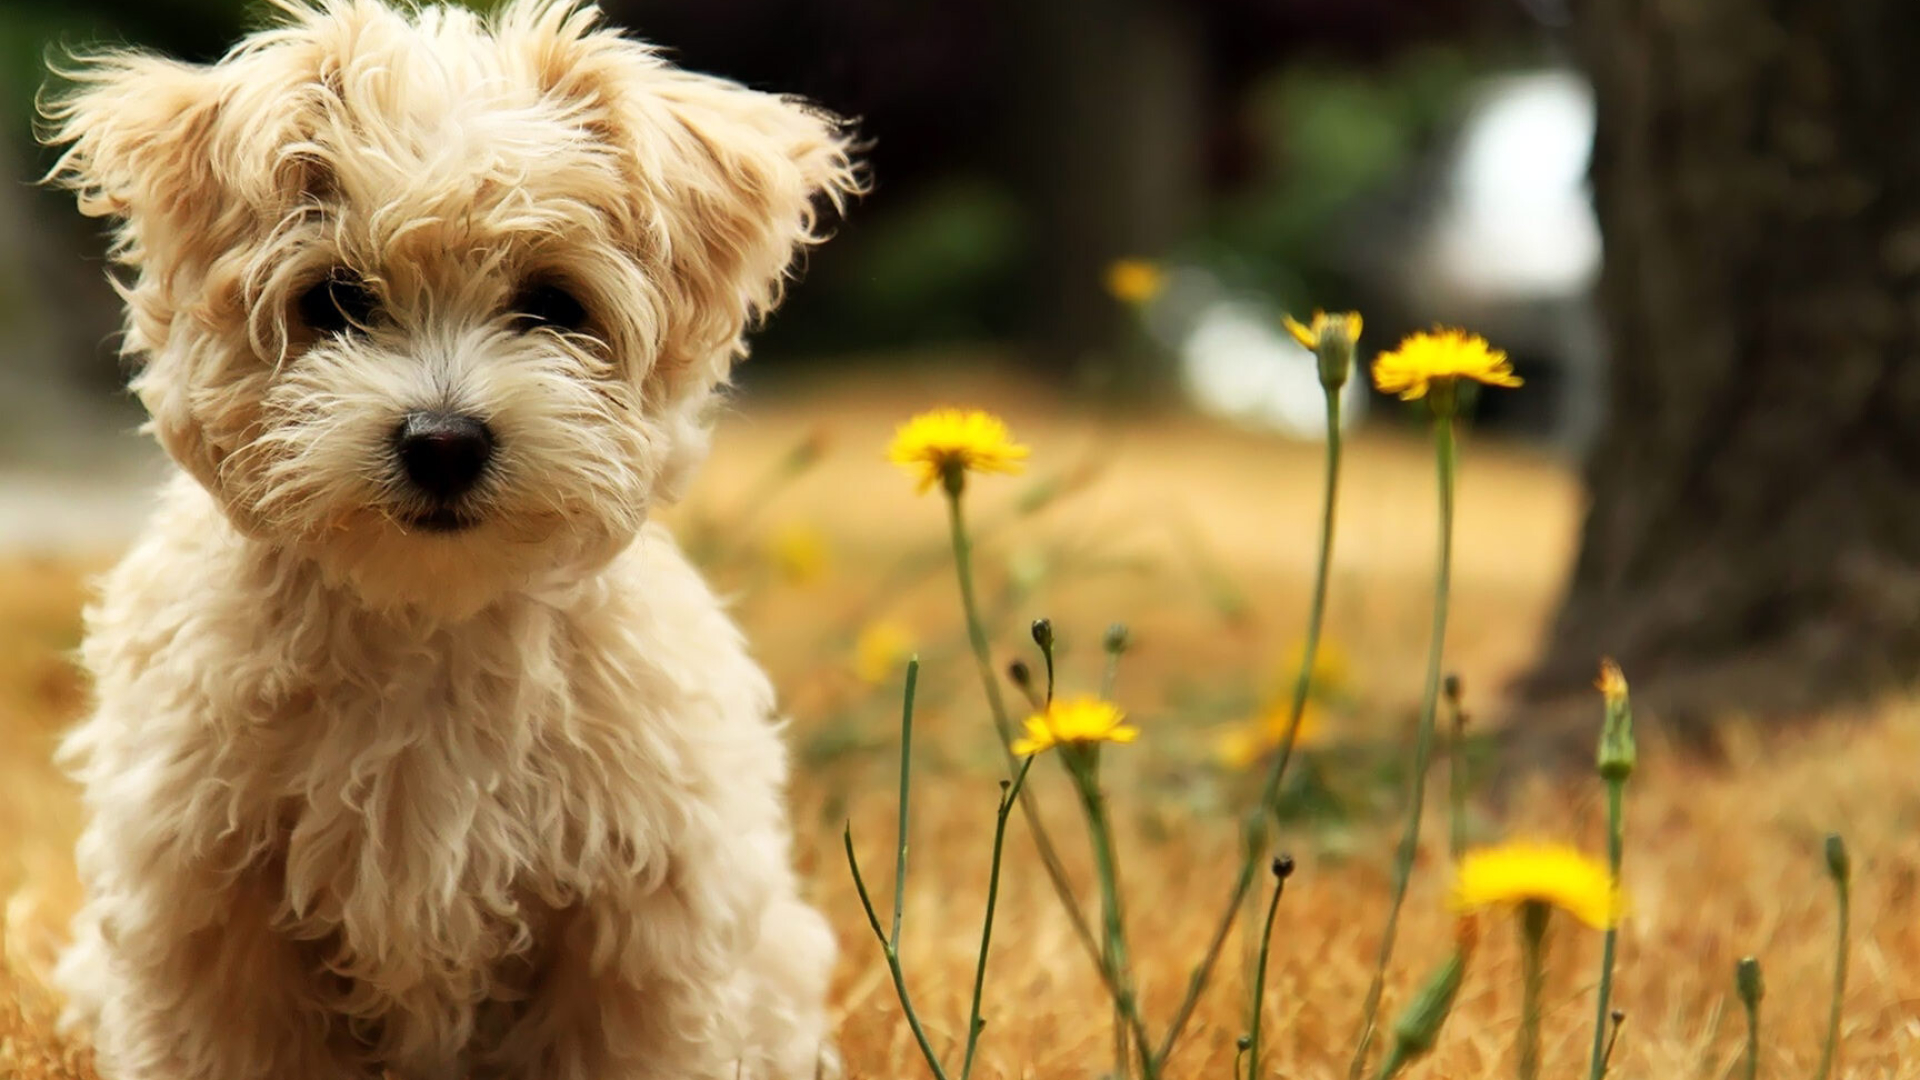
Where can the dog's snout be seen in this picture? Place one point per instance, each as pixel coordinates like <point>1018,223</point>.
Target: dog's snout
<point>443,454</point>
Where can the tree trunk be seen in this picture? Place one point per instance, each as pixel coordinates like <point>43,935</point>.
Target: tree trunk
<point>1753,544</point>
<point>1109,132</point>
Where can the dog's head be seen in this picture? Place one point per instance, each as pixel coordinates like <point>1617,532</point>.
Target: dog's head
<point>441,300</point>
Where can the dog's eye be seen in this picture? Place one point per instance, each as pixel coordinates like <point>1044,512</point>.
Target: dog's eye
<point>338,303</point>
<point>549,305</point>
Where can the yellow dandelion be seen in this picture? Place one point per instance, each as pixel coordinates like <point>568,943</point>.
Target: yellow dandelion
<point>1078,721</point>
<point>934,445</point>
<point>1248,743</point>
<point>799,552</point>
<point>1134,281</point>
<point>880,649</point>
<point>1332,671</point>
<point>1441,356</point>
<point>1553,874</point>
<point>1242,746</point>
<point>1343,325</point>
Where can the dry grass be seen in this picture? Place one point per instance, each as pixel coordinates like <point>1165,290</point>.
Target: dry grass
<point>1723,856</point>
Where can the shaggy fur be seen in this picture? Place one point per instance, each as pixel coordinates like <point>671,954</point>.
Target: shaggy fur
<point>495,798</point>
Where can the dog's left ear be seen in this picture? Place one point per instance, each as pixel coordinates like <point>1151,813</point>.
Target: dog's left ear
<point>724,184</point>
<point>733,183</point>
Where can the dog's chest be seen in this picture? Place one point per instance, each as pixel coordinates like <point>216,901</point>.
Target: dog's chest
<point>438,802</point>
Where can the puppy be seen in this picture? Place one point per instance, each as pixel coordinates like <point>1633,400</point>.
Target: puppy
<point>417,750</point>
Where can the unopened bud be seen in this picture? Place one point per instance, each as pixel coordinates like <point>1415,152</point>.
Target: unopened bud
<point>1746,978</point>
<point>1418,1027</point>
<point>1043,633</point>
<point>1617,754</point>
<point>1839,863</point>
<point>1117,638</point>
<point>1283,866</point>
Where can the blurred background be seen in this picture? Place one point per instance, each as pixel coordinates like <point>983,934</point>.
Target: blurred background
<point>1416,161</point>
<point>1106,205</point>
<point>1695,226</point>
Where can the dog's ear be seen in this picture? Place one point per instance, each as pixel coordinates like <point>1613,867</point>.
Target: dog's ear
<point>725,184</point>
<point>138,133</point>
<point>743,177</point>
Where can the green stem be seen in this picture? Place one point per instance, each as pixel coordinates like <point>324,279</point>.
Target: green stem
<point>1457,783</point>
<point>1260,980</point>
<point>1106,868</point>
<point>1752,1070</point>
<point>1255,846</point>
<point>1832,1047</point>
<point>906,782</point>
<point>1109,679</point>
<point>974,1023</point>
<point>893,962</point>
<point>1003,725</point>
<point>1533,947</point>
<point>1423,739</point>
<point>1616,847</point>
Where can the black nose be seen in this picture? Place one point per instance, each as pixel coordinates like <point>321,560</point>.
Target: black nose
<point>443,454</point>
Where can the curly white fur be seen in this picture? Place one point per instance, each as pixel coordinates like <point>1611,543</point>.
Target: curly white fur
<point>500,801</point>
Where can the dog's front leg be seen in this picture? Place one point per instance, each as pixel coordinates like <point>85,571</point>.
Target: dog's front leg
<point>182,977</point>
<point>631,988</point>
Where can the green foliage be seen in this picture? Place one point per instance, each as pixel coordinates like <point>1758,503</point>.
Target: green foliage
<point>1335,135</point>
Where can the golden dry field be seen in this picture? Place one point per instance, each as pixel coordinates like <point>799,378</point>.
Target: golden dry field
<point>1201,539</point>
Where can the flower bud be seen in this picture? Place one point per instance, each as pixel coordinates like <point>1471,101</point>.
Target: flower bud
<point>1331,339</point>
<point>1043,633</point>
<point>1617,751</point>
<point>1746,978</point>
<point>1418,1027</point>
<point>1839,863</point>
<point>1117,638</point>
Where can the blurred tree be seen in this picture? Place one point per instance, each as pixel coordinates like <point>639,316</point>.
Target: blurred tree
<point>1753,543</point>
<point>1110,129</point>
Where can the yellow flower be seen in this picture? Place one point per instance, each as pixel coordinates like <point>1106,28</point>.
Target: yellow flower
<point>1075,722</point>
<point>799,552</point>
<point>1247,744</point>
<point>932,444</point>
<point>1345,325</point>
<point>1553,874</point>
<point>1134,281</point>
<point>879,651</point>
<point>1612,683</point>
<point>1441,356</point>
<point>1332,672</point>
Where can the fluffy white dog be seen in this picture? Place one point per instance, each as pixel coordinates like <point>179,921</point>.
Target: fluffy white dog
<point>417,749</point>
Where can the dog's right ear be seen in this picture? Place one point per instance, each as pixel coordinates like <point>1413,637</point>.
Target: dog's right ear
<point>141,137</point>
<point>138,134</point>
